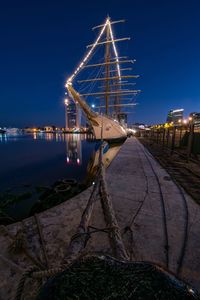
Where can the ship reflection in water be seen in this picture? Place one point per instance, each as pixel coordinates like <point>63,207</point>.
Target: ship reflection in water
<point>34,161</point>
<point>42,158</point>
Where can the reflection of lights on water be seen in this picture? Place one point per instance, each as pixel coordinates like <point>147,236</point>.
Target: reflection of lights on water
<point>49,136</point>
<point>75,136</point>
<point>34,135</point>
<point>3,138</point>
<point>78,161</point>
<point>59,137</point>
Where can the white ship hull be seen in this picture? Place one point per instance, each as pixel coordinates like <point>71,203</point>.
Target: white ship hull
<point>103,126</point>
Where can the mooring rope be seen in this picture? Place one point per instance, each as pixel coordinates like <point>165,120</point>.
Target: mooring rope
<point>78,244</point>
<point>110,218</point>
<point>83,233</point>
<point>40,232</point>
<point>75,247</point>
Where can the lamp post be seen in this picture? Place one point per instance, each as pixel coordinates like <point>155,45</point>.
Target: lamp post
<point>163,137</point>
<point>173,138</point>
<point>191,136</point>
<point>180,133</point>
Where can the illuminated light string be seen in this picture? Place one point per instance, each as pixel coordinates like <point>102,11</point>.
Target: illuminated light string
<point>69,81</point>
<point>115,50</point>
<point>107,23</point>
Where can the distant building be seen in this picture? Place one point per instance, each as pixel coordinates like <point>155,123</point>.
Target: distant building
<point>138,126</point>
<point>48,128</point>
<point>196,118</point>
<point>29,129</point>
<point>72,115</point>
<point>175,115</point>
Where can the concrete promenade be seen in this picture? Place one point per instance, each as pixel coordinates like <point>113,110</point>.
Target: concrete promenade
<point>159,222</point>
<point>135,181</point>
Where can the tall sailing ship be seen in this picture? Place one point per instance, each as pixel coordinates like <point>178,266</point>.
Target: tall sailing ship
<point>104,78</point>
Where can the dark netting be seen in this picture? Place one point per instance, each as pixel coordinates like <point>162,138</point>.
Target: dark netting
<point>104,278</point>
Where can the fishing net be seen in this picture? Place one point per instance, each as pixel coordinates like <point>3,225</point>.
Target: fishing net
<point>104,278</point>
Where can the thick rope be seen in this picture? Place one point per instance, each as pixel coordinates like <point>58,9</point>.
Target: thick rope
<point>131,241</point>
<point>83,233</point>
<point>78,244</point>
<point>110,218</point>
<point>75,246</point>
<point>48,273</point>
<point>42,239</point>
<point>53,271</point>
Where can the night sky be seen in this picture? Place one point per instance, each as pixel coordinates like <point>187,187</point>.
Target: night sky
<point>41,43</point>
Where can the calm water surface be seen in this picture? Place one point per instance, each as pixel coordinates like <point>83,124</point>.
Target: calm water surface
<point>29,161</point>
<point>41,159</point>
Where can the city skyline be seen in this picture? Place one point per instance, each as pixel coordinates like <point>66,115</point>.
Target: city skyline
<point>42,44</point>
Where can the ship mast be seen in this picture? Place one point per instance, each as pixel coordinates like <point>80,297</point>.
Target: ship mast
<point>107,67</point>
<point>115,82</point>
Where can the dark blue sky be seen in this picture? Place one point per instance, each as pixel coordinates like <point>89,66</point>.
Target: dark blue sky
<point>41,42</point>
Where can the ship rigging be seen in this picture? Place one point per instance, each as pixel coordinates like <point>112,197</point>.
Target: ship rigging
<point>107,81</point>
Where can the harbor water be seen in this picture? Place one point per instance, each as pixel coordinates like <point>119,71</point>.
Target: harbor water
<point>39,160</point>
